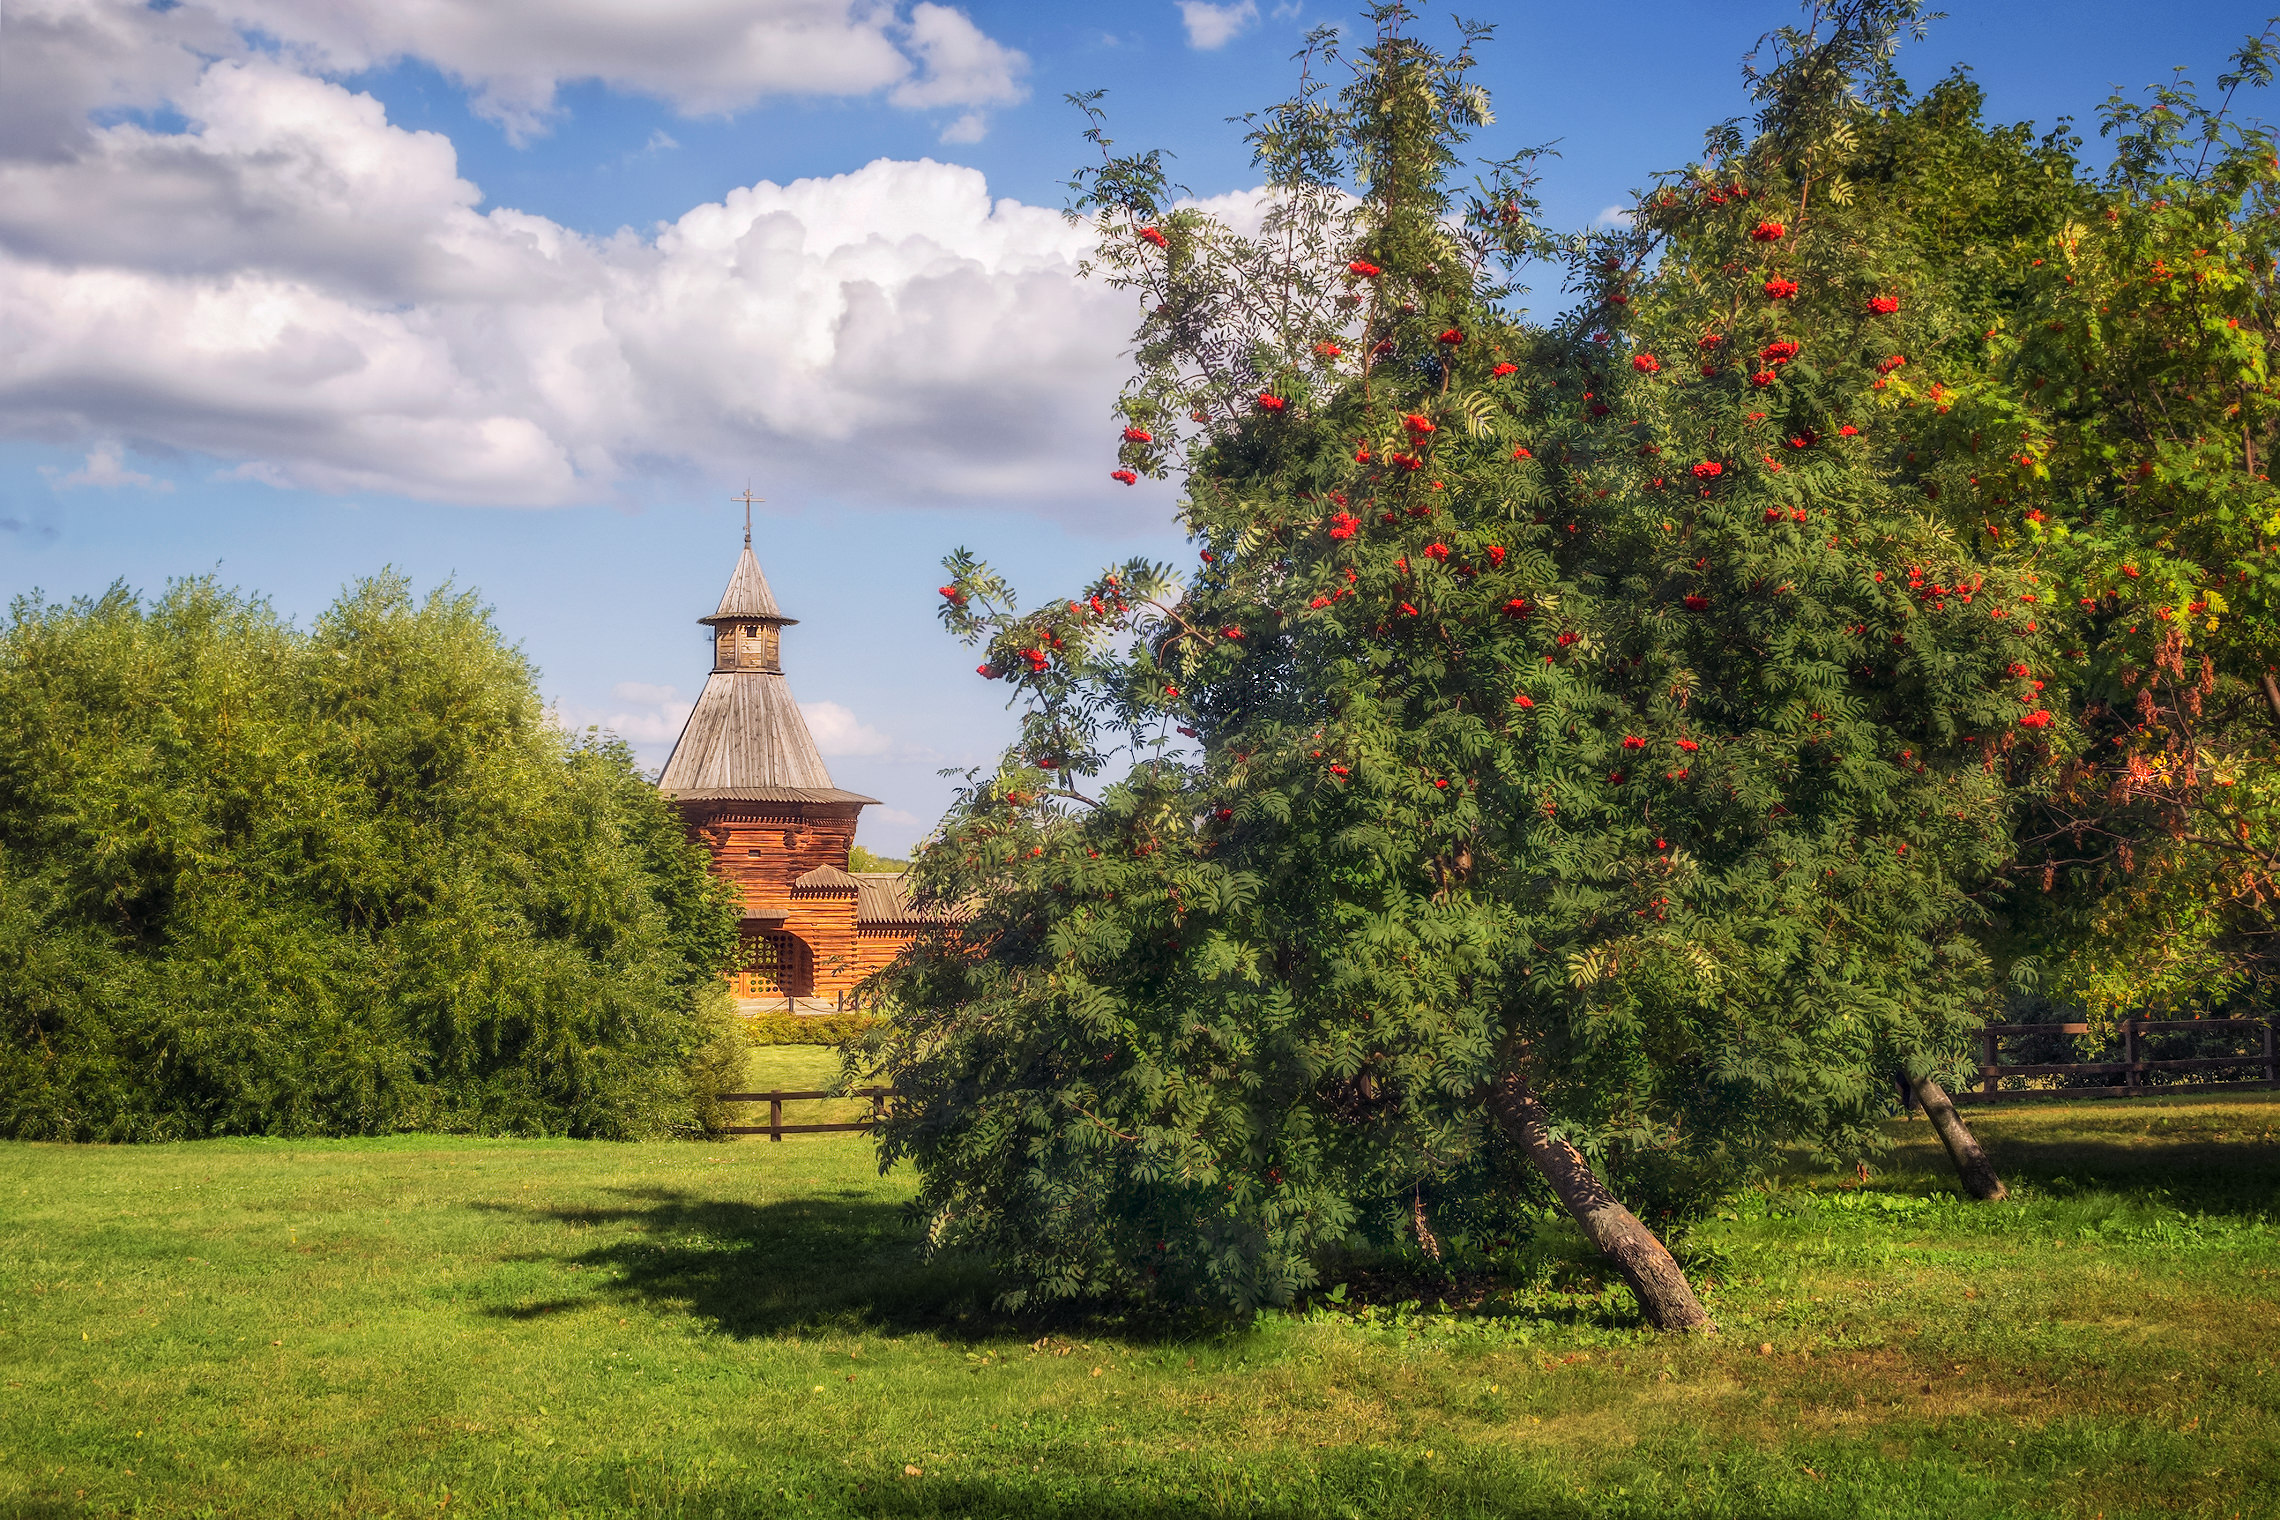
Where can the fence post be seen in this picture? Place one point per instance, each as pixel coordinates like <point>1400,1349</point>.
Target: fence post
<point>2272,1049</point>
<point>775,1118</point>
<point>1988,1081</point>
<point>2130,1055</point>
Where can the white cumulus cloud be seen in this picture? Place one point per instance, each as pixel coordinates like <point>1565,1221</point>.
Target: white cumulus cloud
<point>106,468</point>
<point>66,58</point>
<point>837,731</point>
<point>701,56</point>
<point>293,284</point>
<point>972,127</point>
<point>959,65</point>
<point>650,721</point>
<point>1212,26</point>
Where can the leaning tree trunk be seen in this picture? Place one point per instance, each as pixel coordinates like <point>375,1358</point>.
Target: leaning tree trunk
<point>1971,1163</point>
<point>1661,1288</point>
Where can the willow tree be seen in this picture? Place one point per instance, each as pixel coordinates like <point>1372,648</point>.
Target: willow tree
<point>347,879</point>
<point>1554,776</point>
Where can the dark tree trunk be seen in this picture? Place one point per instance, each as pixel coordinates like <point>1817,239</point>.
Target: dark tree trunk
<point>1971,1163</point>
<point>1661,1288</point>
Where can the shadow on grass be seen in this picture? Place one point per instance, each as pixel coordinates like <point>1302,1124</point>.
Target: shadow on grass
<point>1486,1483</point>
<point>2201,1177</point>
<point>1102,1500</point>
<point>849,1262</point>
<point>826,1261</point>
<point>2109,1149</point>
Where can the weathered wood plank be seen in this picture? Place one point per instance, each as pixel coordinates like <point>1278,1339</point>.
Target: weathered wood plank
<point>2243,1024</point>
<point>2117,1068</point>
<point>2202,1063</point>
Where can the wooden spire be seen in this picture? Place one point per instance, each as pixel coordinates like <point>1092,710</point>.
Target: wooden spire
<point>746,738</point>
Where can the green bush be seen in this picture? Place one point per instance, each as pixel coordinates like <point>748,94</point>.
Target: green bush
<point>809,1029</point>
<point>719,1061</point>
<point>347,880</point>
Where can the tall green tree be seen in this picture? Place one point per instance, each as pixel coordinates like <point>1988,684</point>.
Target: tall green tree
<point>1920,217</point>
<point>2116,421</point>
<point>2088,395</point>
<point>1593,752</point>
<point>347,880</point>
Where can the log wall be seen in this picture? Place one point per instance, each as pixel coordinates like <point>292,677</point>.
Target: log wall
<point>764,848</point>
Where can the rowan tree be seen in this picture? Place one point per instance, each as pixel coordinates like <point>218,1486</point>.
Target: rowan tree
<point>1592,751</point>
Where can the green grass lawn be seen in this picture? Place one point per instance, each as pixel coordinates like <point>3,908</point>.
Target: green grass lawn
<point>797,1068</point>
<point>436,1325</point>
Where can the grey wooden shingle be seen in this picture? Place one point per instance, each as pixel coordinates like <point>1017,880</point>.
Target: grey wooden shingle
<point>881,898</point>
<point>746,740</point>
<point>826,877</point>
<point>747,595</point>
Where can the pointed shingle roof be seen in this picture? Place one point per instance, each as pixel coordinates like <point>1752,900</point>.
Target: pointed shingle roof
<point>748,596</point>
<point>745,740</point>
<point>746,731</point>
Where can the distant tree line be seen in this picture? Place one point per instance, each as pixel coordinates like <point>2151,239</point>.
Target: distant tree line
<point>257,879</point>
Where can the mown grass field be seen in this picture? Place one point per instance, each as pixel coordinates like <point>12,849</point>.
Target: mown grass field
<point>430,1326</point>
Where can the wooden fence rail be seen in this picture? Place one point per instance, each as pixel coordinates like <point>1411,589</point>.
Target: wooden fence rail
<point>777,1129</point>
<point>2132,1069</point>
<point>2133,1066</point>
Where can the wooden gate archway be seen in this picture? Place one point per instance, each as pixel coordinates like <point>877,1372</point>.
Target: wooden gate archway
<point>773,964</point>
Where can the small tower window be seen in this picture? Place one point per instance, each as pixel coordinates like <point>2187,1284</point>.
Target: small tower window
<point>752,630</point>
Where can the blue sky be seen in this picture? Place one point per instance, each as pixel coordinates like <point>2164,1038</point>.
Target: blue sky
<point>290,291</point>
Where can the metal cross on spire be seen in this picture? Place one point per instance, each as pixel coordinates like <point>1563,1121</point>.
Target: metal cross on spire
<point>748,499</point>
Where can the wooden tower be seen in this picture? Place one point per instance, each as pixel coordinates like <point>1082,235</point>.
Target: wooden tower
<point>747,778</point>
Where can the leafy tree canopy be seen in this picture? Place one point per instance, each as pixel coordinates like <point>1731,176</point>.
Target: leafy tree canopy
<point>347,880</point>
<point>1588,738</point>
<point>2116,419</point>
